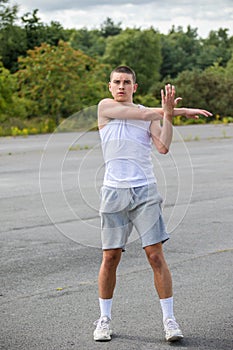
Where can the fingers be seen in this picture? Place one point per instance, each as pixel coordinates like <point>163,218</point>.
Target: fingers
<point>169,93</point>
<point>203,112</point>
<point>194,113</point>
<point>173,91</point>
<point>162,94</point>
<point>206,113</point>
<point>177,100</point>
<point>170,90</point>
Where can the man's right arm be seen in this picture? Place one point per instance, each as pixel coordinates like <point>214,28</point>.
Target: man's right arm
<point>109,109</point>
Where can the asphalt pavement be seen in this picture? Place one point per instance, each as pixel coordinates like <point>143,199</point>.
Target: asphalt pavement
<point>50,244</point>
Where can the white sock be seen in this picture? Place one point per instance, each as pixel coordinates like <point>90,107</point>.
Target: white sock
<point>167,308</point>
<point>105,307</point>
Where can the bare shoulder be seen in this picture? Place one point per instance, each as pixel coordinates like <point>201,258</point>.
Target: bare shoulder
<point>105,103</point>
<point>102,111</point>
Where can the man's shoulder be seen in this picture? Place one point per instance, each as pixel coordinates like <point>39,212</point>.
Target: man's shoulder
<point>103,108</point>
<point>106,101</point>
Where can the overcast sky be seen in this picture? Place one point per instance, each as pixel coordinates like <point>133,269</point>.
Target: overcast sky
<point>205,15</point>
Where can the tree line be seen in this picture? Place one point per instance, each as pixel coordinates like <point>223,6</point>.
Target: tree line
<point>48,73</point>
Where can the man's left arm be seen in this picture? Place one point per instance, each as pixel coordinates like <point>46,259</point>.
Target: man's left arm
<point>186,112</point>
<point>162,135</point>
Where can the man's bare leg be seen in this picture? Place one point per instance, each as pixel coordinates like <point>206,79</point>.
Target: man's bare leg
<point>163,285</point>
<point>107,273</point>
<point>162,275</point>
<point>107,282</point>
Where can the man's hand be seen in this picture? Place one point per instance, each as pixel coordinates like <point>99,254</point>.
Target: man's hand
<point>195,112</point>
<point>190,113</point>
<point>168,100</point>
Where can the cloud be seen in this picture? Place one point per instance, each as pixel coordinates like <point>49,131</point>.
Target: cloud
<point>200,7</point>
<point>205,15</point>
<point>56,5</point>
<point>160,9</point>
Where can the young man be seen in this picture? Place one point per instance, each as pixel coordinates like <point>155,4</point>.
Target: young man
<point>129,195</point>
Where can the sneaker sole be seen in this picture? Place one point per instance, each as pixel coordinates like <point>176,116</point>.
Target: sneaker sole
<point>103,339</point>
<point>175,338</point>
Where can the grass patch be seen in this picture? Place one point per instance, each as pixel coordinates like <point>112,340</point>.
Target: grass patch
<point>79,148</point>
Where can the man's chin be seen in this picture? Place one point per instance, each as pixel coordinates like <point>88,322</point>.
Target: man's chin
<point>121,99</point>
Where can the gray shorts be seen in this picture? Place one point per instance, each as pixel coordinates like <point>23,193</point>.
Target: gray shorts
<point>122,209</point>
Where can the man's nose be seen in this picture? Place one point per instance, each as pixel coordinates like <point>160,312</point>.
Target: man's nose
<point>121,86</point>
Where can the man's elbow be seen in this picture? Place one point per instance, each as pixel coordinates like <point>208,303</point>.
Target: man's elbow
<point>163,150</point>
<point>160,146</point>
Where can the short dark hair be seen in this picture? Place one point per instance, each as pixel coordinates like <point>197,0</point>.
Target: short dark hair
<point>124,69</point>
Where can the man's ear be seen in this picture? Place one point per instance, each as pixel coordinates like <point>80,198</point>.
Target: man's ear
<point>135,87</point>
<point>109,86</point>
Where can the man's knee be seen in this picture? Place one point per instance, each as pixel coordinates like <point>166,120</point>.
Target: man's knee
<point>155,257</point>
<point>111,258</point>
<point>156,260</point>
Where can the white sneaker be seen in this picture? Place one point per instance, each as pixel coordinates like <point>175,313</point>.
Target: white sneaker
<point>102,331</point>
<point>172,330</point>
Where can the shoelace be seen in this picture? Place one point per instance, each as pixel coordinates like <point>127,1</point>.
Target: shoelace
<point>102,323</point>
<point>171,324</point>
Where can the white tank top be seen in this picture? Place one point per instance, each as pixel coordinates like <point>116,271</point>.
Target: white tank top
<point>127,146</point>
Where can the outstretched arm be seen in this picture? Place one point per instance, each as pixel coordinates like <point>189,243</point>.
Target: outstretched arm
<point>109,109</point>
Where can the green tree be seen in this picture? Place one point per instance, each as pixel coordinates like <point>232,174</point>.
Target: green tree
<point>139,49</point>
<point>210,89</point>
<point>93,42</point>
<point>220,94</point>
<point>15,40</point>
<point>37,32</point>
<point>53,33</point>
<point>216,48</point>
<point>7,88</point>
<point>11,106</point>
<point>229,67</point>
<point>109,28</point>
<point>32,27</point>
<point>60,80</point>
<point>8,14</point>
<point>13,44</point>
<point>179,51</point>
<point>12,37</point>
<point>89,41</point>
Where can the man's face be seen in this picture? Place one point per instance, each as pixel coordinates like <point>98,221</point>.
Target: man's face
<point>122,87</point>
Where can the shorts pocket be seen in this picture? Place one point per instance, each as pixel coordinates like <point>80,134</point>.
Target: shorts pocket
<point>114,200</point>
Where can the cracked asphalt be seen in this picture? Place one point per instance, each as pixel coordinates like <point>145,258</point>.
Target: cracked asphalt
<point>50,245</point>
